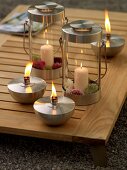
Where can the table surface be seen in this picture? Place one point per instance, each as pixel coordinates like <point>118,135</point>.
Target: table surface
<point>89,124</point>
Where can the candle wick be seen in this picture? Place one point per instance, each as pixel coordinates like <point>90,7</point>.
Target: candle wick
<point>108,36</point>
<point>27,80</point>
<point>54,100</point>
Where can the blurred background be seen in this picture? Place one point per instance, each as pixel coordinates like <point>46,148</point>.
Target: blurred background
<point>114,5</point>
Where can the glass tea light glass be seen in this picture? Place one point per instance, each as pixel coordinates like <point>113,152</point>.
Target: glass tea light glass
<point>44,27</point>
<point>82,69</point>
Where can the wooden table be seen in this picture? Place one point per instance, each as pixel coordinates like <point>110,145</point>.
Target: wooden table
<point>90,124</point>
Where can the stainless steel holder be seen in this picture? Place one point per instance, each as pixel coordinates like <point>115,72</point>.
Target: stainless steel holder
<point>27,93</point>
<point>54,115</point>
<point>114,45</point>
<point>47,74</point>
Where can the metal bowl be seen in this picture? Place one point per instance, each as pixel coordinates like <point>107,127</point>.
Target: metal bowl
<point>115,46</point>
<point>54,115</point>
<point>47,74</point>
<point>27,94</point>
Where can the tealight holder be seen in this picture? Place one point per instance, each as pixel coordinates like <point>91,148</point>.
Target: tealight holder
<point>114,43</point>
<point>43,45</point>
<point>27,90</point>
<point>82,70</point>
<point>54,110</point>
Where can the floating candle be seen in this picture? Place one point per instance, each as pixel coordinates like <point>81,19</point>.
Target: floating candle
<point>27,89</point>
<point>54,98</point>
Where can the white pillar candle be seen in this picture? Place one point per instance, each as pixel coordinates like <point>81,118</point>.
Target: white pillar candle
<point>81,78</point>
<point>46,52</point>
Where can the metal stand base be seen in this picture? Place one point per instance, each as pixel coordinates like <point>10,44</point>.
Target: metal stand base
<point>47,74</point>
<point>82,100</point>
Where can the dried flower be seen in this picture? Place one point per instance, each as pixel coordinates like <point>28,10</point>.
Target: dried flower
<point>76,92</point>
<point>56,65</point>
<point>39,65</point>
<point>57,60</point>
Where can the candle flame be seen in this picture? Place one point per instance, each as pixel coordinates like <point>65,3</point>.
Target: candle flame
<point>107,23</point>
<point>28,69</point>
<point>81,51</point>
<point>81,65</point>
<point>53,94</point>
<point>47,42</point>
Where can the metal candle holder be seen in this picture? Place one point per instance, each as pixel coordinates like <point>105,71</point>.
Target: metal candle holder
<point>47,16</point>
<point>54,111</point>
<point>27,90</point>
<point>78,34</point>
<point>114,45</point>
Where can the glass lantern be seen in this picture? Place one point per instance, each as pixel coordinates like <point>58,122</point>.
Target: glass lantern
<point>44,31</point>
<point>83,66</point>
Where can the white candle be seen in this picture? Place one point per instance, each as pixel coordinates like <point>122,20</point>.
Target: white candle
<point>46,52</point>
<point>81,78</point>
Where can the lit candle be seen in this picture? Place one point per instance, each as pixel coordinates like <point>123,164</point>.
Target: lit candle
<point>54,98</point>
<point>46,52</point>
<point>81,78</point>
<point>107,23</point>
<point>27,73</point>
<point>108,29</point>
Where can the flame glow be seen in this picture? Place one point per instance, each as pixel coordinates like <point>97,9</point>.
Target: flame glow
<point>107,43</point>
<point>28,69</point>
<point>47,42</point>
<point>81,65</point>
<point>107,23</point>
<point>53,94</point>
<point>81,51</point>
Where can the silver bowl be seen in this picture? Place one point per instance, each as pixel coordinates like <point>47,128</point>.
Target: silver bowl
<point>54,115</point>
<point>27,93</point>
<point>47,74</point>
<point>115,47</point>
